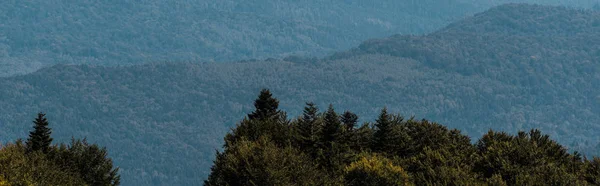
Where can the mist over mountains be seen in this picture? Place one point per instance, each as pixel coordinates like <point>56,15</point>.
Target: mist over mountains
<point>513,67</point>
<point>36,33</point>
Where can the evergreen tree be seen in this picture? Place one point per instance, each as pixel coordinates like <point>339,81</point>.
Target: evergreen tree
<point>332,128</point>
<point>39,138</point>
<point>386,137</point>
<point>332,152</point>
<point>266,107</point>
<point>349,120</point>
<point>308,128</point>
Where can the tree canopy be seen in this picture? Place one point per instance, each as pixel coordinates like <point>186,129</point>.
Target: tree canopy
<point>425,153</point>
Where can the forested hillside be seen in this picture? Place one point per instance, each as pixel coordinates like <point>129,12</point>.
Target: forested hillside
<point>329,147</point>
<point>37,33</point>
<point>40,161</point>
<point>512,68</point>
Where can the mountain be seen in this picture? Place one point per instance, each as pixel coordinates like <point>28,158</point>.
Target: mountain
<point>513,67</point>
<point>37,33</point>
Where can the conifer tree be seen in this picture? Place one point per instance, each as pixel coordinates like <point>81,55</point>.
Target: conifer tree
<point>386,137</point>
<point>332,128</point>
<point>333,151</point>
<point>266,106</point>
<point>308,127</point>
<point>39,138</point>
<point>349,120</point>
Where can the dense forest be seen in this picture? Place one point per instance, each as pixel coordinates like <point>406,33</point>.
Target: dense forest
<point>331,148</point>
<point>512,68</point>
<point>39,162</point>
<point>38,33</point>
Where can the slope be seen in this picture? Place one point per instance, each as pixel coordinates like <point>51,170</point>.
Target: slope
<point>163,121</point>
<point>37,33</point>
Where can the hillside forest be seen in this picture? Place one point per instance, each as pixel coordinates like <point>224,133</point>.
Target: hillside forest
<point>515,73</point>
<point>331,148</point>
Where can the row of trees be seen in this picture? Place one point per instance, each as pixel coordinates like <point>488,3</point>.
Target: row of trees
<point>327,148</point>
<point>38,162</point>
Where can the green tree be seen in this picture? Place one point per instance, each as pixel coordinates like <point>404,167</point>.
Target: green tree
<point>39,139</point>
<point>266,106</point>
<point>333,152</point>
<point>332,127</point>
<point>261,162</point>
<point>386,137</point>
<point>266,120</point>
<point>308,129</point>
<point>19,167</point>
<point>89,161</point>
<point>375,171</point>
<point>349,120</point>
<point>592,171</point>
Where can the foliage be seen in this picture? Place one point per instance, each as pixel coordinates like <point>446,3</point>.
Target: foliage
<point>17,167</point>
<point>39,139</point>
<point>428,154</point>
<point>37,33</point>
<point>261,162</point>
<point>163,121</point>
<point>89,161</point>
<point>266,107</point>
<point>80,163</point>
<point>375,170</point>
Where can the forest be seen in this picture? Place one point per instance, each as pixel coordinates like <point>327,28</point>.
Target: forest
<point>511,68</point>
<point>39,33</point>
<point>332,148</point>
<point>39,162</point>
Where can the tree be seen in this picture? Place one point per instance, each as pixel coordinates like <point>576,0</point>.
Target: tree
<point>19,167</point>
<point>375,171</point>
<point>333,150</point>
<point>332,128</point>
<point>266,106</point>
<point>349,120</point>
<point>89,161</point>
<point>386,137</point>
<point>261,162</point>
<point>39,138</point>
<point>592,171</point>
<point>307,129</point>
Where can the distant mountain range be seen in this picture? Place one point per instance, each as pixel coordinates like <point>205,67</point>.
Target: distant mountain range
<point>37,33</point>
<point>513,67</point>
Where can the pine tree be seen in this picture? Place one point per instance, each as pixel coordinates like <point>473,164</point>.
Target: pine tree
<point>39,138</point>
<point>308,128</point>
<point>266,107</point>
<point>333,150</point>
<point>332,128</point>
<point>349,120</point>
<point>386,138</point>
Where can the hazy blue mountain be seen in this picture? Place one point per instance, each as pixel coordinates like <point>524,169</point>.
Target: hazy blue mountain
<point>511,68</point>
<point>37,33</point>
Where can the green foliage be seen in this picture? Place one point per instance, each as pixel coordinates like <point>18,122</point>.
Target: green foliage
<point>307,129</point>
<point>387,137</point>
<point>261,162</point>
<point>400,153</point>
<point>592,171</point>
<point>38,163</point>
<point>89,161</point>
<point>374,171</point>
<point>39,139</point>
<point>17,167</point>
<point>266,107</point>
<point>331,132</point>
<point>162,121</point>
<point>349,121</point>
